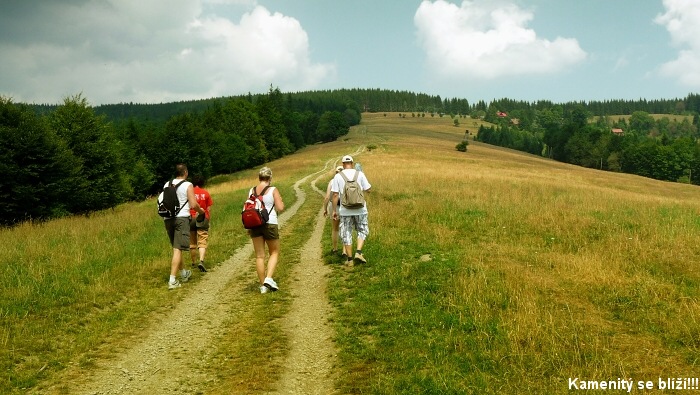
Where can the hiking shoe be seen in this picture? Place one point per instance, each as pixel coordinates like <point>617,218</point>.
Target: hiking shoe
<point>360,258</point>
<point>349,263</point>
<point>186,277</point>
<point>271,284</point>
<point>263,289</point>
<point>174,285</point>
<point>201,267</point>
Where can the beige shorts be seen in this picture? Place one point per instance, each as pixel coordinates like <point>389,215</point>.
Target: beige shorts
<point>199,238</point>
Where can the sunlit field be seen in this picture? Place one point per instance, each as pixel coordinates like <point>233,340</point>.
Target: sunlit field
<point>489,271</point>
<point>493,271</point>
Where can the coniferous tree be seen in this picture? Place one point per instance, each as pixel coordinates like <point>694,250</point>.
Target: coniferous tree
<point>40,171</point>
<point>103,182</point>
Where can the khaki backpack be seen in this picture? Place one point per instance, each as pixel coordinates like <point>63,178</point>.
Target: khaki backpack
<point>353,196</point>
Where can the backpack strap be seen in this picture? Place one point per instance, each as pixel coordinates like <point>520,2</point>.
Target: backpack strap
<point>262,193</point>
<point>354,179</point>
<point>176,187</point>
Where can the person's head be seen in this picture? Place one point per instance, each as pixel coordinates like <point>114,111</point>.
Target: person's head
<point>338,169</point>
<point>347,162</point>
<point>198,181</point>
<point>265,174</point>
<point>181,170</point>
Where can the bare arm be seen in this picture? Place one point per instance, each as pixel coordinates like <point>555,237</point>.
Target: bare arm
<point>326,199</point>
<point>279,204</point>
<point>335,205</point>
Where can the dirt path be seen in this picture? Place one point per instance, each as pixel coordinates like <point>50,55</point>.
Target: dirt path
<point>166,351</point>
<point>312,353</point>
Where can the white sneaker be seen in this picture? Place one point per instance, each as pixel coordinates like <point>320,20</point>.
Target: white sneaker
<point>270,283</point>
<point>186,277</point>
<point>263,289</point>
<point>174,285</point>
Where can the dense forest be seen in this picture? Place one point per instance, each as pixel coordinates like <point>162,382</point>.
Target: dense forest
<point>76,159</point>
<point>73,158</point>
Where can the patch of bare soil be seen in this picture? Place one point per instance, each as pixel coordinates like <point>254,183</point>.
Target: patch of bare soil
<point>166,360</point>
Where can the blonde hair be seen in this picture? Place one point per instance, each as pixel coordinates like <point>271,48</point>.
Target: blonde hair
<point>265,174</point>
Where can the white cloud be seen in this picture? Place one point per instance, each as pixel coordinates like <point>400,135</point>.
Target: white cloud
<point>681,20</point>
<point>156,51</point>
<point>486,39</point>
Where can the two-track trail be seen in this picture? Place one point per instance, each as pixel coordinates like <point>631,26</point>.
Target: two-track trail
<point>166,360</point>
<point>310,363</point>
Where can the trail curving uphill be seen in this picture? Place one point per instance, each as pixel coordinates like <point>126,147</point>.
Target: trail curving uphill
<point>309,365</point>
<point>166,361</point>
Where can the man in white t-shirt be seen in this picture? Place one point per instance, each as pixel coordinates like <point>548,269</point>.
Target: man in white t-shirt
<point>350,219</point>
<point>178,227</point>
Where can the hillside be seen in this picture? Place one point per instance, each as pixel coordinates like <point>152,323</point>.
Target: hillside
<point>490,271</point>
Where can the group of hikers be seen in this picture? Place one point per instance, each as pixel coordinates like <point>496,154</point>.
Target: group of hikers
<point>188,225</point>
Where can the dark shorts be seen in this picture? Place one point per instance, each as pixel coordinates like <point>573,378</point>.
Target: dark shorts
<point>178,229</point>
<point>267,231</point>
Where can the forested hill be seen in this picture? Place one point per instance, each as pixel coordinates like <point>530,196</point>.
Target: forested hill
<point>75,158</point>
<point>382,100</point>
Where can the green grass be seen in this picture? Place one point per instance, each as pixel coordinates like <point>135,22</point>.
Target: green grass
<point>539,272</point>
<point>72,284</point>
<point>490,271</point>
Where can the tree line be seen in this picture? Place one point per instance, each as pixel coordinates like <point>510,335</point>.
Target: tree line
<point>662,149</point>
<point>73,159</point>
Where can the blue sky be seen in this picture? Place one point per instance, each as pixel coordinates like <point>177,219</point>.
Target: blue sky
<point>157,51</point>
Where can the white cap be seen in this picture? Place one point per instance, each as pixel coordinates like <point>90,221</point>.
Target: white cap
<point>347,158</point>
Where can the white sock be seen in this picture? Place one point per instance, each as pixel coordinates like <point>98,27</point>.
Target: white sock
<point>172,280</point>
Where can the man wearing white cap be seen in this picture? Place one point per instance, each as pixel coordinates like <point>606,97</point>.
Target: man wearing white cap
<point>350,218</point>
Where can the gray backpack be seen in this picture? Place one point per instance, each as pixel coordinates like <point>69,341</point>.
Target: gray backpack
<point>353,196</point>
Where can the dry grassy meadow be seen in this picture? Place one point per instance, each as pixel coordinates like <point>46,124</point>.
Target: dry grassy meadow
<point>539,271</point>
<point>490,271</point>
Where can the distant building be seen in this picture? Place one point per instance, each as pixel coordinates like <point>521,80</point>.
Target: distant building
<point>618,132</point>
<point>501,114</point>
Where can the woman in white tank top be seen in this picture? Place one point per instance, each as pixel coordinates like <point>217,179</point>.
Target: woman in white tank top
<point>267,234</point>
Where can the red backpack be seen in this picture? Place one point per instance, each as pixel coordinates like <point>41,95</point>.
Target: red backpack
<point>254,213</point>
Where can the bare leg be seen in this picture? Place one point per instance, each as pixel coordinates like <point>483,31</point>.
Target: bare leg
<point>259,245</point>
<point>334,234</point>
<point>202,252</point>
<point>176,263</point>
<point>274,247</point>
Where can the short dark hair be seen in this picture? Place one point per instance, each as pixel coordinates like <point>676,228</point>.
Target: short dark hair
<point>180,169</point>
<point>198,180</point>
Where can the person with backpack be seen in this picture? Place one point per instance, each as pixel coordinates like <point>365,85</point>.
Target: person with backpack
<point>199,225</point>
<point>349,187</point>
<point>177,220</point>
<point>268,232</point>
<point>328,212</point>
